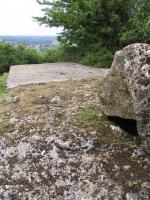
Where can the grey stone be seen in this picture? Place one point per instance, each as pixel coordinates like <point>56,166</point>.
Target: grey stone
<point>16,99</point>
<point>125,90</point>
<point>132,196</point>
<point>13,121</point>
<point>126,167</point>
<point>56,100</point>
<point>115,99</point>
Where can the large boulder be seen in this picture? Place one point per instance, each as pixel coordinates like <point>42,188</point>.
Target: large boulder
<point>125,91</point>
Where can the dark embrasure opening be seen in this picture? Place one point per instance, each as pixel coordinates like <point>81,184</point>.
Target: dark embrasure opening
<point>128,125</point>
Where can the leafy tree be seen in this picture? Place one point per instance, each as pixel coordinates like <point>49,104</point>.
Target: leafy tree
<point>112,23</point>
<point>138,26</point>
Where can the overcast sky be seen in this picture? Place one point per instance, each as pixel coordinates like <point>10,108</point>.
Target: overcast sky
<point>16,18</point>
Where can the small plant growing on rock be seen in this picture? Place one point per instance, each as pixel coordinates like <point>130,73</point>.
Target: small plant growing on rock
<point>131,183</point>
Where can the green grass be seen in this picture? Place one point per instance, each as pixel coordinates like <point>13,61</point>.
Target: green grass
<point>86,117</point>
<point>4,127</point>
<point>131,183</point>
<point>3,88</point>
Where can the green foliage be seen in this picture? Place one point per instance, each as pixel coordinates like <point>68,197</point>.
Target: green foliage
<point>99,57</point>
<point>7,56</point>
<point>86,117</point>
<point>132,184</point>
<point>32,56</point>
<point>26,55</point>
<point>3,84</point>
<point>61,54</point>
<point>110,23</point>
<point>138,29</point>
<point>4,127</point>
<point>11,55</point>
<point>53,55</point>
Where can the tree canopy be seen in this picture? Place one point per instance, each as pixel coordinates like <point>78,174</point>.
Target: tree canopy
<point>111,23</point>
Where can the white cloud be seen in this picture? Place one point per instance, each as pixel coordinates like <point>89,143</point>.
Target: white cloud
<point>16,18</point>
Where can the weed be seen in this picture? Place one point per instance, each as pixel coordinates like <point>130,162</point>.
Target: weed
<point>86,117</point>
<point>34,111</point>
<point>4,127</point>
<point>93,107</point>
<point>3,89</point>
<point>131,183</point>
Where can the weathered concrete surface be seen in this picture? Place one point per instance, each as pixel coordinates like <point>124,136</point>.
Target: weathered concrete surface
<point>41,73</point>
<point>125,91</point>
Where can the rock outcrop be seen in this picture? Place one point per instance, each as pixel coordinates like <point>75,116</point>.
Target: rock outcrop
<point>125,91</point>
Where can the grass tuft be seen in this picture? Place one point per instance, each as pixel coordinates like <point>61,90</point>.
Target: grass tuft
<point>5,126</point>
<point>3,88</point>
<point>86,117</point>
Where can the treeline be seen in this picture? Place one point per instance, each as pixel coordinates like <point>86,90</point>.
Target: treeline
<point>11,55</point>
<point>21,54</point>
<point>94,29</point>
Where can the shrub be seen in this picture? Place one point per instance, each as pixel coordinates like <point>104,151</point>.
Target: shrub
<point>27,55</point>
<point>11,55</point>
<point>7,56</point>
<point>61,54</point>
<point>86,118</point>
<point>101,57</point>
<point>53,55</point>
<point>32,56</point>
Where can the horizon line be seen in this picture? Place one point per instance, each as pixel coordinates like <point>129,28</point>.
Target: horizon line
<point>31,35</point>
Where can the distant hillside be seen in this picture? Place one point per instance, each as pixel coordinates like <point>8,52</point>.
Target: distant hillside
<point>39,42</point>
